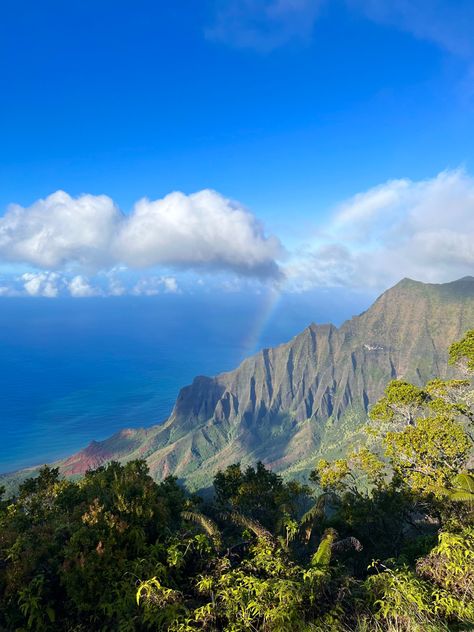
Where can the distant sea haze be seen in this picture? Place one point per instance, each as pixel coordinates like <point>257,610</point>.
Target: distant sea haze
<point>74,370</point>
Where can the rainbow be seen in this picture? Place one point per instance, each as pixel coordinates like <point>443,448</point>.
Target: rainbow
<point>251,342</point>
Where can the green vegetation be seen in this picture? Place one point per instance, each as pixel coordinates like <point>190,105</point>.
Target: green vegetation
<point>298,402</point>
<point>380,540</point>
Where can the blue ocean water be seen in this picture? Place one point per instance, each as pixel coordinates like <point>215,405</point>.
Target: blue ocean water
<point>73,370</point>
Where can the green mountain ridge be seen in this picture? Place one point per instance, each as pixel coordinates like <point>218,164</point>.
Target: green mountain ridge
<point>290,404</point>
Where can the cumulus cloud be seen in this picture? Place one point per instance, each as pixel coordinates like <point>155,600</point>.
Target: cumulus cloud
<point>60,230</point>
<point>423,230</point>
<point>80,287</point>
<point>115,288</point>
<point>150,286</point>
<point>171,285</point>
<point>46,284</point>
<point>420,229</point>
<point>202,230</point>
<point>52,284</point>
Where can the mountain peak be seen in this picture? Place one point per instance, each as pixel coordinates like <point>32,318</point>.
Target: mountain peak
<point>306,399</point>
<point>408,282</point>
<point>463,280</point>
<point>407,290</point>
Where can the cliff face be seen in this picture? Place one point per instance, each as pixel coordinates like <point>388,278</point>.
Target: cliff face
<point>290,404</point>
<point>285,405</point>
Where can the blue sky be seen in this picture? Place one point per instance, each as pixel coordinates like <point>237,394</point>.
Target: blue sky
<point>318,119</point>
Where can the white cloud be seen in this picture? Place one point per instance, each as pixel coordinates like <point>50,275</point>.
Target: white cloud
<point>202,230</point>
<point>60,230</point>
<point>46,284</point>
<point>443,22</point>
<point>53,284</point>
<point>365,208</point>
<point>147,287</point>
<point>150,286</point>
<point>115,288</point>
<point>80,287</point>
<point>171,285</point>
<point>423,230</point>
<point>264,24</point>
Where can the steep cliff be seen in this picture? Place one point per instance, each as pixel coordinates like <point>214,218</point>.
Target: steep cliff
<point>289,404</point>
<point>308,397</point>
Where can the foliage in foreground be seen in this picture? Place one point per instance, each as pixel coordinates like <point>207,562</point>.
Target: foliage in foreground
<point>381,540</point>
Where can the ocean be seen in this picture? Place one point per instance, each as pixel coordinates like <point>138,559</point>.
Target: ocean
<point>74,370</point>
